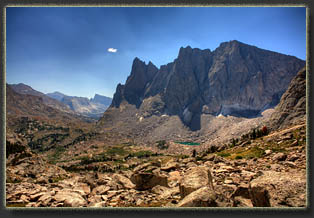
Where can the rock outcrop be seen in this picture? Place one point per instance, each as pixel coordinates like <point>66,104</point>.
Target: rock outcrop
<point>292,106</point>
<point>278,189</point>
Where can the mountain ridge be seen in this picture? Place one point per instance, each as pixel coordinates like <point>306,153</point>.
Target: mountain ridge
<point>24,89</point>
<point>235,79</point>
<point>93,107</point>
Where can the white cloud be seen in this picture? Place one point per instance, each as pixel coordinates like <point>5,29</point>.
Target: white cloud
<point>114,50</point>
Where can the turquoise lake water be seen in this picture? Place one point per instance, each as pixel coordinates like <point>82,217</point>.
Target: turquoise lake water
<point>188,143</point>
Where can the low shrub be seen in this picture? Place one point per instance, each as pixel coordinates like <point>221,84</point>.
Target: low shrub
<point>238,157</point>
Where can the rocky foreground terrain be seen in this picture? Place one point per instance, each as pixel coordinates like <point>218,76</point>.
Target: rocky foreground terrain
<point>268,171</point>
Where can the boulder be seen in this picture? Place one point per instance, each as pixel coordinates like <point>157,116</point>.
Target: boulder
<point>124,181</point>
<point>174,178</point>
<point>279,189</point>
<point>293,157</point>
<point>242,202</point>
<point>203,197</point>
<point>70,198</point>
<point>171,165</point>
<point>144,181</point>
<point>100,190</point>
<point>165,192</point>
<point>279,157</point>
<point>195,178</point>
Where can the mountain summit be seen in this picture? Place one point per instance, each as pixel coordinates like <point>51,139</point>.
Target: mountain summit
<point>235,79</point>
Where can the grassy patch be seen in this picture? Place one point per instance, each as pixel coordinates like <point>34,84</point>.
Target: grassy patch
<point>56,155</point>
<point>254,152</point>
<point>224,154</point>
<point>141,154</point>
<point>116,150</point>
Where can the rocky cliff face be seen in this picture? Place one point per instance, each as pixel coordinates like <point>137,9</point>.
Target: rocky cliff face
<point>235,79</point>
<point>292,106</point>
<point>85,106</point>
<point>136,84</point>
<point>93,107</point>
<point>101,100</point>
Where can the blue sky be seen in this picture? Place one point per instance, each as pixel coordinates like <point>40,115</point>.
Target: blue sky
<point>66,48</point>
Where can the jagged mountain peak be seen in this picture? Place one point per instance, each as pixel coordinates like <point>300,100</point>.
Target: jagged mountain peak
<point>186,52</point>
<point>235,79</point>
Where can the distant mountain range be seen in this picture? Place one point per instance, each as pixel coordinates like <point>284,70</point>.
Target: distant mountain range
<point>93,107</point>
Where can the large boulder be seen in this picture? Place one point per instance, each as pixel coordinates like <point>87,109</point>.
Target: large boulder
<point>203,197</point>
<point>124,181</point>
<point>195,178</point>
<point>70,198</point>
<point>146,180</point>
<point>279,189</point>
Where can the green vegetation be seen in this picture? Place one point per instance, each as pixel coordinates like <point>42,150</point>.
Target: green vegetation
<point>238,157</point>
<point>223,154</point>
<point>116,151</point>
<point>56,155</point>
<point>141,154</point>
<point>194,153</point>
<point>256,133</point>
<point>162,144</point>
<point>98,158</point>
<point>83,137</point>
<point>14,148</point>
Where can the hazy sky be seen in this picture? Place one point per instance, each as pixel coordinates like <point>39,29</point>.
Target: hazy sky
<point>82,51</point>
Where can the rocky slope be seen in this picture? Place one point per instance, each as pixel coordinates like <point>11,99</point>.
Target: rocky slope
<point>27,90</point>
<point>292,106</point>
<point>30,105</point>
<point>93,107</point>
<point>270,171</point>
<point>56,95</point>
